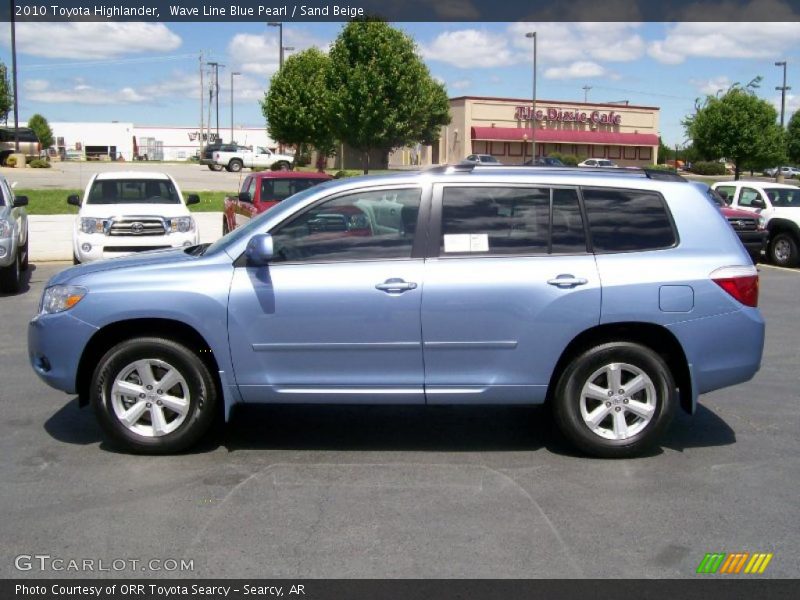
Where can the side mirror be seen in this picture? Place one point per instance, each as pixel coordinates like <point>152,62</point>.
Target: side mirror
<point>74,200</point>
<point>20,201</point>
<point>758,203</point>
<point>192,199</point>
<point>245,197</point>
<point>259,250</point>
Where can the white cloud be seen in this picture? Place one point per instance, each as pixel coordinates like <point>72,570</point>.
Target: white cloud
<point>81,93</point>
<point>460,84</point>
<point>713,85</point>
<point>258,54</point>
<point>85,40</point>
<point>471,48</point>
<point>35,85</point>
<point>576,70</point>
<point>724,40</point>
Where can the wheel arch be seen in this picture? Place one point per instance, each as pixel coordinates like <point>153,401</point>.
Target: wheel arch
<point>656,337</point>
<point>782,225</point>
<point>114,333</point>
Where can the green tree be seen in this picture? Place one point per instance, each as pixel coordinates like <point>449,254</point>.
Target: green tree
<point>297,105</point>
<point>6,99</point>
<point>383,95</point>
<point>793,138</point>
<point>42,130</point>
<point>738,126</point>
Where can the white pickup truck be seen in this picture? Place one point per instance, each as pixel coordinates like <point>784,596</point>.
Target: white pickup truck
<point>260,158</point>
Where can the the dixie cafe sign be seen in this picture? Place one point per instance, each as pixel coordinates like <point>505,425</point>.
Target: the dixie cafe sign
<point>523,113</point>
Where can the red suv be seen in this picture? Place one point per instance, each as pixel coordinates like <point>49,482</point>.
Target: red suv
<point>261,191</point>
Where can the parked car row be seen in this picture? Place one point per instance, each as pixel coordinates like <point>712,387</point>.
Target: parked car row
<point>13,238</point>
<point>787,172</point>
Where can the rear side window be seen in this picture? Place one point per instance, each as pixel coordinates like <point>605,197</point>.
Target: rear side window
<point>279,189</point>
<point>628,220</point>
<point>492,221</point>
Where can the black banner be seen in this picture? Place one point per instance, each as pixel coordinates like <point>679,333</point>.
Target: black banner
<point>399,11</point>
<point>404,589</point>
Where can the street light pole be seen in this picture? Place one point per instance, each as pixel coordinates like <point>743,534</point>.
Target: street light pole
<point>532,34</point>
<point>280,42</point>
<point>216,67</point>
<point>14,76</point>
<point>783,89</point>
<point>232,74</point>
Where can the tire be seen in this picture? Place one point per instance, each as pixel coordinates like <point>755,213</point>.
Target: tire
<point>283,166</point>
<point>638,429</point>
<point>783,250</point>
<point>235,166</point>
<point>10,277</point>
<point>215,167</point>
<point>23,264</point>
<point>187,408</point>
<point>75,260</point>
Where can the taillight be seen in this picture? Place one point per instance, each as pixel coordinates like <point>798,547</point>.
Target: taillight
<point>739,282</point>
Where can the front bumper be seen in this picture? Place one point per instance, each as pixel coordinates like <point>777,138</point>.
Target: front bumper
<point>8,251</point>
<point>55,345</point>
<point>753,241</point>
<point>103,246</point>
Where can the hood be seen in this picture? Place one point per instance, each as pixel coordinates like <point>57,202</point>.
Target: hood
<point>738,214</point>
<point>140,259</point>
<point>106,211</point>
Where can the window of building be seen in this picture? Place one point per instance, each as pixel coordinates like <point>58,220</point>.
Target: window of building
<point>492,221</point>
<point>645,153</point>
<point>615,152</point>
<point>629,152</point>
<point>370,225</point>
<point>626,220</point>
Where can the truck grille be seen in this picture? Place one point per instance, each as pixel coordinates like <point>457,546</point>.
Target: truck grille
<point>137,226</point>
<point>743,224</point>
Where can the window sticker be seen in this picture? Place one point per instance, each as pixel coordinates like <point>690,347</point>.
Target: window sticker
<point>466,242</point>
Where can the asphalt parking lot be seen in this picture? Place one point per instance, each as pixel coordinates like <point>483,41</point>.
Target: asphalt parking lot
<point>406,492</point>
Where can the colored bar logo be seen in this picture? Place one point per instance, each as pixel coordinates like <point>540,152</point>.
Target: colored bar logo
<point>734,563</point>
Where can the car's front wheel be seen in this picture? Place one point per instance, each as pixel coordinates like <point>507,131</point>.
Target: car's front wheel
<point>11,277</point>
<point>153,396</point>
<point>615,400</point>
<point>783,250</point>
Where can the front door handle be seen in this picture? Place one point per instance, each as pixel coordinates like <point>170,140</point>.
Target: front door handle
<point>396,286</point>
<point>567,281</point>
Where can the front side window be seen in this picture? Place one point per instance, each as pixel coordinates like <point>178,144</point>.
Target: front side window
<point>133,191</point>
<point>748,195</point>
<point>628,220</point>
<point>251,188</point>
<point>727,192</point>
<point>369,225</point>
<point>502,221</point>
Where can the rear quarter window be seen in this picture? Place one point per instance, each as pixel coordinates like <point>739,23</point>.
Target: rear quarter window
<point>628,220</point>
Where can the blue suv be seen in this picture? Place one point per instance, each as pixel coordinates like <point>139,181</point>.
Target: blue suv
<point>615,297</point>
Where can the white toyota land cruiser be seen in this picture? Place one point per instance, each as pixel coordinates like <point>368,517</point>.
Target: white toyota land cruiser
<point>125,212</point>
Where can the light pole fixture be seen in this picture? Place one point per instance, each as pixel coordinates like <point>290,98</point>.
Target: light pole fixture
<point>532,34</point>
<point>14,75</point>
<point>232,75</point>
<point>783,89</point>
<point>280,42</point>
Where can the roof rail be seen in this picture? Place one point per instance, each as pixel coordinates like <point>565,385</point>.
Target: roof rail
<point>655,174</point>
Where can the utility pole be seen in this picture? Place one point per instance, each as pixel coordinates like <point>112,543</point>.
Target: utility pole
<point>216,67</point>
<point>202,94</point>
<point>280,42</point>
<point>232,74</point>
<point>586,89</point>
<point>14,75</point>
<point>783,89</point>
<point>532,34</point>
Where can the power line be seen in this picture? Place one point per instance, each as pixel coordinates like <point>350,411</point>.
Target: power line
<point>121,61</point>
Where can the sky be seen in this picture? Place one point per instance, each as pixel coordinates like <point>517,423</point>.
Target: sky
<point>148,73</point>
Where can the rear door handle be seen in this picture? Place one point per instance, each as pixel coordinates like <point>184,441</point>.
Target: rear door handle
<point>567,281</point>
<point>396,286</point>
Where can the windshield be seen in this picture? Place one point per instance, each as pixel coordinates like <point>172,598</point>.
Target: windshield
<point>133,191</point>
<point>783,197</point>
<point>256,225</point>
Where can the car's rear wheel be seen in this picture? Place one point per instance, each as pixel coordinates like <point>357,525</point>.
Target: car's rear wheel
<point>153,396</point>
<point>783,250</point>
<point>615,400</point>
<point>10,277</point>
<point>235,166</point>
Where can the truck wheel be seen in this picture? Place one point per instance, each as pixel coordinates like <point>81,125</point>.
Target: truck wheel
<point>153,396</point>
<point>615,400</point>
<point>783,250</point>
<point>10,277</point>
<point>215,167</point>
<point>283,166</point>
<point>23,263</point>
<point>235,166</point>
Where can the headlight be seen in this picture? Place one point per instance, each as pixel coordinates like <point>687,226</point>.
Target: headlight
<point>762,222</point>
<point>181,224</point>
<point>59,298</point>
<point>5,228</point>
<point>92,225</point>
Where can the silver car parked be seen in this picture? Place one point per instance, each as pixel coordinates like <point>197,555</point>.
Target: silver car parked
<point>13,238</point>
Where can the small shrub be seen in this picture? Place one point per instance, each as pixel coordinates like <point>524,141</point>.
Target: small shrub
<point>39,163</point>
<point>661,167</point>
<point>347,173</point>
<point>710,167</point>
